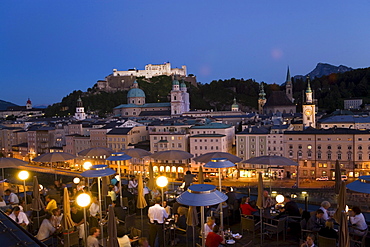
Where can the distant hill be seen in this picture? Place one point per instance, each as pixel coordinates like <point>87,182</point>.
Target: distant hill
<point>323,69</point>
<point>5,104</point>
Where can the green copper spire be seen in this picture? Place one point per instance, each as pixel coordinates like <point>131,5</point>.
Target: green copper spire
<point>288,78</point>
<point>308,86</point>
<point>262,92</point>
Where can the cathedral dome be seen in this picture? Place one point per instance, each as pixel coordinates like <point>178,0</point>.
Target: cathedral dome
<point>135,91</point>
<point>175,82</point>
<point>183,85</point>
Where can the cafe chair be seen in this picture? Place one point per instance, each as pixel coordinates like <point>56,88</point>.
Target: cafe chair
<point>276,227</point>
<point>360,242</point>
<point>326,242</point>
<point>248,225</point>
<point>70,238</point>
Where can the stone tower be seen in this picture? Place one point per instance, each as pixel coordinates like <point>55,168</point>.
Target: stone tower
<point>309,108</point>
<point>289,86</point>
<point>261,99</point>
<point>28,104</point>
<point>179,98</point>
<point>80,110</point>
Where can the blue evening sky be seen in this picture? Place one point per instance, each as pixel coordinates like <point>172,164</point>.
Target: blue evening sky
<point>50,48</point>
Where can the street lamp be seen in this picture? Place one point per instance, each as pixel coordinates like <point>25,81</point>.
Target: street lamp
<point>162,182</point>
<point>76,180</point>
<point>83,200</point>
<point>87,165</point>
<point>23,175</point>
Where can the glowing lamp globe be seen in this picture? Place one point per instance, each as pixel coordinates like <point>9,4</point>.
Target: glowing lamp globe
<point>76,180</point>
<point>83,200</point>
<point>280,198</point>
<point>87,165</point>
<point>162,181</point>
<point>23,175</point>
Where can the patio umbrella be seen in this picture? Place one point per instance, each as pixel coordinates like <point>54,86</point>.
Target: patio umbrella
<point>171,155</point>
<point>137,153</point>
<point>201,195</point>
<point>112,240</point>
<point>151,184</point>
<point>96,152</point>
<point>37,204</point>
<point>192,220</point>
<point>205,158</point>
<point>200,175</point>
<point>344,240</point>
<point>54,157</point>
<point>11,163</point>
<point>271,160</point>
<point>260,200</point>
<point>67,222</point>
<point>141,203</point>
<point>99,171</point>
<point>338,178</point>
<point>341,202</point>
<point>119,157</point>
<point>220,163</point>
<point>362,185</point>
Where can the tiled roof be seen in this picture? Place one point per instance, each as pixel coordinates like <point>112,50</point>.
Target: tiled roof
<point>278,98</point>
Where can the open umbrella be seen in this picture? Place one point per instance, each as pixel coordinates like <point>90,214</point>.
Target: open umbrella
<point>11,163</point>
<point>67,222</point>
<point>205,158</point>
<point>260,200</point>
<point>220,163</point>
<point>192,220</point>
<point>99,171</point>
<point>338,178</point>
<point>362,185</point>
<point>271,161</point>
<point>96,152</point>
<point>171,155</point>
<point>54,157</point>
<point>151,184</point>
<point>119,157</point>
<point>200,175</point>
<point>112,229</point>
<point>141,203</point>
<point>137,153</point>
<point>201,195</point>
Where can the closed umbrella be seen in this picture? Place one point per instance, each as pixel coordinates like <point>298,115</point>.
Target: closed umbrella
<point>338,177</point>
<point>192,220</point>
<point>54,157</point>
<point>141,203</point>
<point>67,222</point>
<point>341,217</point>
<point>151,184</point>
<point>341,201</point>
<point>112,228</point>
<point>37,204</point>
<point>260,200</point>
<point>200,175</point>
<point>201,195</point>
<point>205,158</point>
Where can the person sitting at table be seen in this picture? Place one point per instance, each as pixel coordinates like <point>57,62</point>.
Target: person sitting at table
<point>208,227</point>
<point>310,241</point>
<point>92,239</point>
<point>143,242</point>
<point>268,202</point>
<point>19,217</point>
<point>245,207</point>
<point>291,207</point>
<point>57,217</point>
<point>328,231</point>
<point>325,205</point>
<point>215,238</point>
<point>316,222</point>
<point>358,222</point>
<point>46,230</point>
<point>12,198</point>
<point>180,220</point>
<point>52,204</point>
<point>166,207</point>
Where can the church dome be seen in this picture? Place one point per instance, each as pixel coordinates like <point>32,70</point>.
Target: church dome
<point>135,91</point>
<point>183,85</point>
<point>175,82</point>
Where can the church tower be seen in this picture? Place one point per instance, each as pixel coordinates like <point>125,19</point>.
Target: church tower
<point>80,110</point>
<point>261,99</point>
<point>309,108</point>
<point>28,104</point>
<point>289,86</point>
<point>179,98</point>
<point>235,106</point>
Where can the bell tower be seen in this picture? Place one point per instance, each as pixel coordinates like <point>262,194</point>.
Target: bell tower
<point>309,108</point>
<point>262,99</point>
<point>289,86</point>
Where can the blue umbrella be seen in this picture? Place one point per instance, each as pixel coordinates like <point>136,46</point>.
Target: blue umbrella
<point>220,163</point>
<point>98,171</point>
<point>120,156</point>
<point>201,195</point>
<point>362,185</point>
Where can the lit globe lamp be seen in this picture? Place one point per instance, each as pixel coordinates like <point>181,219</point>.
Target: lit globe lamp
<point>83,200</point>
<point>162,182</point>
<point>23,175</point>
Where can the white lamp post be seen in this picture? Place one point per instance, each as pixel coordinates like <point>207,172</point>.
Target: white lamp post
<point>76,180</point>
<point>162,182</point>
<point>83,200</point>
<point>23,175</point>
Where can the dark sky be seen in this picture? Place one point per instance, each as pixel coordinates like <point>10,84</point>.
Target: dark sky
<point>50,48</point>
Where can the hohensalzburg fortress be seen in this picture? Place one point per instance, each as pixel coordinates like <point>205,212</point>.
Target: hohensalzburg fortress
<point>153,70</point>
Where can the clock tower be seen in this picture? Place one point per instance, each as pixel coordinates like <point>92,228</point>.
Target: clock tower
<point>309,109</point>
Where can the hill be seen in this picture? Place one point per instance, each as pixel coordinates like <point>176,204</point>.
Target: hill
<point>5,104</point>
<point>323,69</point>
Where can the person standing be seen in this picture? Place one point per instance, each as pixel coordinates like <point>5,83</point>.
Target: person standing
<point>188,180</point>
<point>157,215</point>
<point>78,219</point>
<point>92,239</point>
<point>94,212</point>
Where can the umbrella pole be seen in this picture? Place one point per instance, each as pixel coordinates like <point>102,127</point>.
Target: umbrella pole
<point>85,227</point>
<point>221,207</point>
<point>100,211</point>
<point>202,225</point>
<point>2,171</point>
<point>142,222</point>
<point>261,225</point>
<point>120,183</point>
